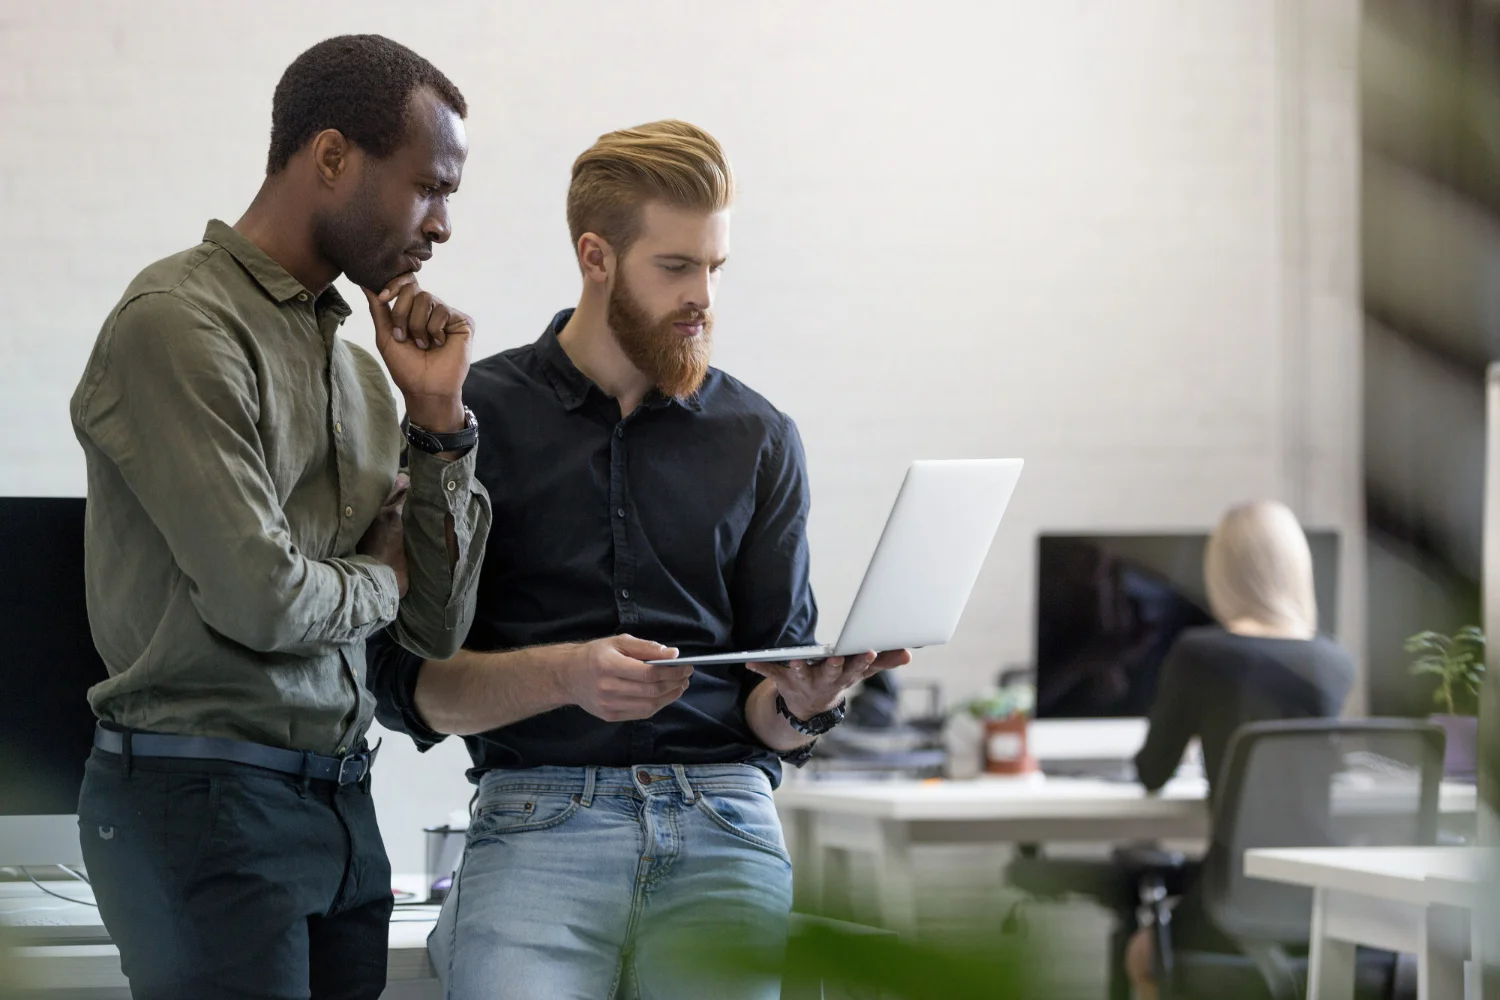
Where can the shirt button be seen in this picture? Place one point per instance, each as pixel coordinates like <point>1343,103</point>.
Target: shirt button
<point>342,750</point>
<point>620,431</point>
<point>620,512</point>
<point>452,485</point>
<point>302,297</point>
<point>348,511</point>
<point>625,594</point>
<point>338,428</point>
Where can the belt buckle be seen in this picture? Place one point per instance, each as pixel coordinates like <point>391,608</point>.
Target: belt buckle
<point>355,758</point>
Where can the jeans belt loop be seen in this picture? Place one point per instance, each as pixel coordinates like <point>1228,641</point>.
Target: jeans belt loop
<point>590,777</point>
<point>125,754</point>
<point>688,794</point>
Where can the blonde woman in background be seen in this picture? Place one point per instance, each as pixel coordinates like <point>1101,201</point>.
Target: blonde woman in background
<point>1264,661</point>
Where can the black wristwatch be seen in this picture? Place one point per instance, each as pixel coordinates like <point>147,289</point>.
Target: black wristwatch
<point>433,443</point>
<point>818,724</point>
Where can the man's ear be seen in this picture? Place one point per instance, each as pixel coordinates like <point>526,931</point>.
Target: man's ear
<point>596,258</point>
<point>331,154</point>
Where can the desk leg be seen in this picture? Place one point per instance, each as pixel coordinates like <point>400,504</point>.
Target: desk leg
<point>895,880</point>
<point>1474,969</point>
<point>799,827</point>
<point>1484,920</point>
<point>1330,969</point>
<point>1445,945</point>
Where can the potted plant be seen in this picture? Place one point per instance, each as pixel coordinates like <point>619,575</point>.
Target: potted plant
<point>1457,661</point>
<point>1003,712</point>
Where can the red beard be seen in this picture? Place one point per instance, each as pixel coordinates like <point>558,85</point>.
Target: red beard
<point>676,364</point>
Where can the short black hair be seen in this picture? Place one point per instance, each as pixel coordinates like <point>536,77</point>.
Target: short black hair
<point>358,84</point>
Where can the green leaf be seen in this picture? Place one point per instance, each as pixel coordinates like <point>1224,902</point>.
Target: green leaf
<point>1426,642</point>
<point>862,964</point>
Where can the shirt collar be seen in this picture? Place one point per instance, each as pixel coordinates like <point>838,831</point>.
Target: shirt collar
<point>572,386</point>
<point>271,276</point>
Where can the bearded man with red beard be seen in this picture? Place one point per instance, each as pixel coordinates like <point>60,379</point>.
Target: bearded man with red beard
<point>624,810</point>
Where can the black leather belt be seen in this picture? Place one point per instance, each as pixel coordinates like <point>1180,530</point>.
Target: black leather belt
<point>344,770</point>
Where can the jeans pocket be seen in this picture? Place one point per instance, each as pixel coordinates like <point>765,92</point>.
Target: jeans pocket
<point>748,815</point>
<point>520,812</point>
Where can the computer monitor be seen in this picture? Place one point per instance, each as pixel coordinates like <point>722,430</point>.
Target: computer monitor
<point>1109,608</point>
<point>48,665</point>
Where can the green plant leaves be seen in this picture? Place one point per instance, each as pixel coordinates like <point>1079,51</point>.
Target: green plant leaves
<point>1457,661</point>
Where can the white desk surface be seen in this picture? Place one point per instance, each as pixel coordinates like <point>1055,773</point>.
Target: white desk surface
<point>97,966</point>
<point>1418,875</point>
<point>1417,900</point>
<point>1032,797</point>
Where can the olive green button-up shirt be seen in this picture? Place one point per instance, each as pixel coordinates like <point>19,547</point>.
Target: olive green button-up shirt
<point>237,450</point>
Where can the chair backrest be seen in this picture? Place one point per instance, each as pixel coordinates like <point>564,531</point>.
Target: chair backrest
<point>1314,783</point>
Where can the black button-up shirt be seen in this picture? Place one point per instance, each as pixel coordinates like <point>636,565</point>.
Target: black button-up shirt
<point>683,523</point>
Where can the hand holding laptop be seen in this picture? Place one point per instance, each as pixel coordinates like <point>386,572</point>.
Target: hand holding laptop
<point>811,687</point>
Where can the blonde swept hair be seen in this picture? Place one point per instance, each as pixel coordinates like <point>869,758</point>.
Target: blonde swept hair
<point>670,161</point>
<point>1258,567</point>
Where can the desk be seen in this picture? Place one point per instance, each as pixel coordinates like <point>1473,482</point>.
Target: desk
<point>93,970</point>
<point>1404,899</point>
<point>888,818</point>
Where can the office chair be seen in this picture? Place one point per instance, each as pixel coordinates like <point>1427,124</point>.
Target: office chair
<point>1303,783</point>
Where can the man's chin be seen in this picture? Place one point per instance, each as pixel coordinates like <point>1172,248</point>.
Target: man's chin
<point>377,277</point>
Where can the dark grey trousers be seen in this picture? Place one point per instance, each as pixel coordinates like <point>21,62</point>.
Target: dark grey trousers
<point>225,881</point>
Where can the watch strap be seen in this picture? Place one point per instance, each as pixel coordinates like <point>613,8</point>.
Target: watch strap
<point>818,724</point>
<point>434,443</point>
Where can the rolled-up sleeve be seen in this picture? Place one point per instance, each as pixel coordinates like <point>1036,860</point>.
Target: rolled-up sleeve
<point>174,404</point>
<point>439,604</point>
<point>391,674</point>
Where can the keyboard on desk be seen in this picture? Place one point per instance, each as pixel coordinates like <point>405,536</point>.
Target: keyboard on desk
<point>31,918</point>
<point>1122,771</point>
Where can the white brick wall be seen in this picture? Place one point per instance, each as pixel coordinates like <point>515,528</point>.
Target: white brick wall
<point>1096,235</point>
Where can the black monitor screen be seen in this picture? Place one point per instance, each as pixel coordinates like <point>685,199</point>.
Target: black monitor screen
<point>1110,607</point>
<point>49,662</point>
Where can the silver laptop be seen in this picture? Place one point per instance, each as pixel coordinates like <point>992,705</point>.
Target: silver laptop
<point>930,553</point>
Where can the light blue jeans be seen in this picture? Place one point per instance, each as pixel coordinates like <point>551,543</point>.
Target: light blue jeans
<point>586,883</point>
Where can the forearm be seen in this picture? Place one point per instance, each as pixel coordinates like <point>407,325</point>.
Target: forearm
<point>769,725</point>
<point>1161,754</point>
<point>477,692</point>
<point>1158,761</point>
<point>334,602</point>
